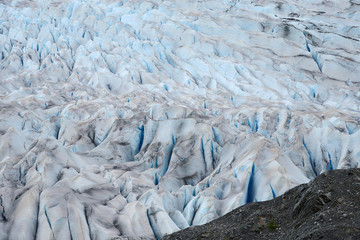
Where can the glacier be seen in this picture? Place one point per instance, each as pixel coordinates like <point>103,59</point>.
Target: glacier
<point>135,119</point>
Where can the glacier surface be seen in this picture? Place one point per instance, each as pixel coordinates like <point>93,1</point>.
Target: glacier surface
<point>134,119</point>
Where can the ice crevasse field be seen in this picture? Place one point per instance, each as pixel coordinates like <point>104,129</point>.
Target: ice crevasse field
<point>135,119</point>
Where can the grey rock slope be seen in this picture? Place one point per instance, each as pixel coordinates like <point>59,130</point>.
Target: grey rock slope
<point>326,208</point>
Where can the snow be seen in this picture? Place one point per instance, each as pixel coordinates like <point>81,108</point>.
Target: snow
<point>135,119</point>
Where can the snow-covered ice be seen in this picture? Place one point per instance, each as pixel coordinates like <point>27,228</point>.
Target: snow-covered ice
<point>135,119</point>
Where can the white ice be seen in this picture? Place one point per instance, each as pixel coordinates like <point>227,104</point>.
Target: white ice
<point>135,119</point>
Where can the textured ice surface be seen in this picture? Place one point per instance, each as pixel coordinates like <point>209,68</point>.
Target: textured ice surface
<point>134,119</point>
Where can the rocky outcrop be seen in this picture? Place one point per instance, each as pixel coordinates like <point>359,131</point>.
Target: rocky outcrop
<point>326,208</point>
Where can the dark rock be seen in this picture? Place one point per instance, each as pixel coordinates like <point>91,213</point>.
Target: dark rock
<point>328,207</point>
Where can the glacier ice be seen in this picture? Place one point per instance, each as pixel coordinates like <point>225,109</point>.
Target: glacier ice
<point>135,119</point>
